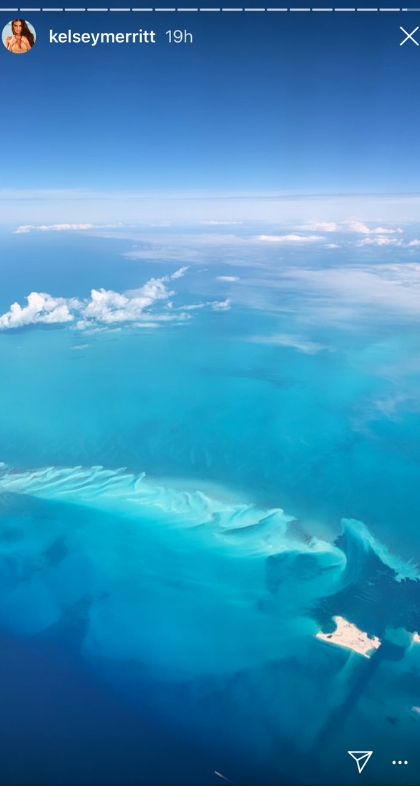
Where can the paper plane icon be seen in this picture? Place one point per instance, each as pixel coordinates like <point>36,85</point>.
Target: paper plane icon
<point>361,758</point>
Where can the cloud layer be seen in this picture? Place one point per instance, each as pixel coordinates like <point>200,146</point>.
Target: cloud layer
<point>287,340</point>
<point>340,295</point>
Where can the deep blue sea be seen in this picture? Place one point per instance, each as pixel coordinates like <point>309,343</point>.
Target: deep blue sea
<point>189,493</point>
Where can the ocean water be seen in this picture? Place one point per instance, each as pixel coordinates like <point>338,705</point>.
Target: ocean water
<point>182,509</point>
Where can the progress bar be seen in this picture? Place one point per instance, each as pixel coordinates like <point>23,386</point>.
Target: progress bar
<point>203,10</point>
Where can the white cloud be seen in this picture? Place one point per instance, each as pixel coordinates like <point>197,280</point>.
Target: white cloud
<point>103,308</point>
<point>414,243</point>
<point>325,226</point>
<point>379,240</point>
<point>332,245</point>
<point>286,340</point>
<point>51,228</point>
<point>155,288</point>
<point>343,296</point>
<point>110,307</point>
<point>349,225</point>
<point>221,223</point>
<point>41,309</point>
<point>337,294</point>
<point>215,305</point>
<point>223,305</point>
<point>178,273</point>
<point>23,229</point>
<point>227,278</point>
<point>190,307</point>
<point>291,238</point>
<point>358,226</point>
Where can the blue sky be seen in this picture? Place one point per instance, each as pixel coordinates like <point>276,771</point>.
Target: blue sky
<point>289,103</point>
<point>273,140</point>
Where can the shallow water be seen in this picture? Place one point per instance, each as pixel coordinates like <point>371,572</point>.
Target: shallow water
<point>181,511</point>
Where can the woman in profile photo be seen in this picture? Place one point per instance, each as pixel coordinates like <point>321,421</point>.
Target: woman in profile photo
<point>21,40</point>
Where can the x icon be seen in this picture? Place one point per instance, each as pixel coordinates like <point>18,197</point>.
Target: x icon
<point>409,36</point>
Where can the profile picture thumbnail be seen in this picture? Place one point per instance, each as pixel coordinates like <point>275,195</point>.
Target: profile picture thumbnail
<point>18,36</point>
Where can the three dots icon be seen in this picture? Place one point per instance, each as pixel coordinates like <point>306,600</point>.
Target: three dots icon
<point>400,762</point>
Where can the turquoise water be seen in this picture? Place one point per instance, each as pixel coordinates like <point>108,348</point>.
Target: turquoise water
<point>183,508</point>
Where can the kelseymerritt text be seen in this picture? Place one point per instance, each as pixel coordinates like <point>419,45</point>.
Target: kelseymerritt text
<point>141,37</point>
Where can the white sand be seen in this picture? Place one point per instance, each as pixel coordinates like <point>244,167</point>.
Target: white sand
<point>349,636</point>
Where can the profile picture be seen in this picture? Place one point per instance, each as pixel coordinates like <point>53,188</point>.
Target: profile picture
<point>18,36</point>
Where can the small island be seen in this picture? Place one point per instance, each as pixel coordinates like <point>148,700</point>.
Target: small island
<point>349,636</point>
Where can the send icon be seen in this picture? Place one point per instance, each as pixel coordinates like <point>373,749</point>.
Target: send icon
<point>361,758</point>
